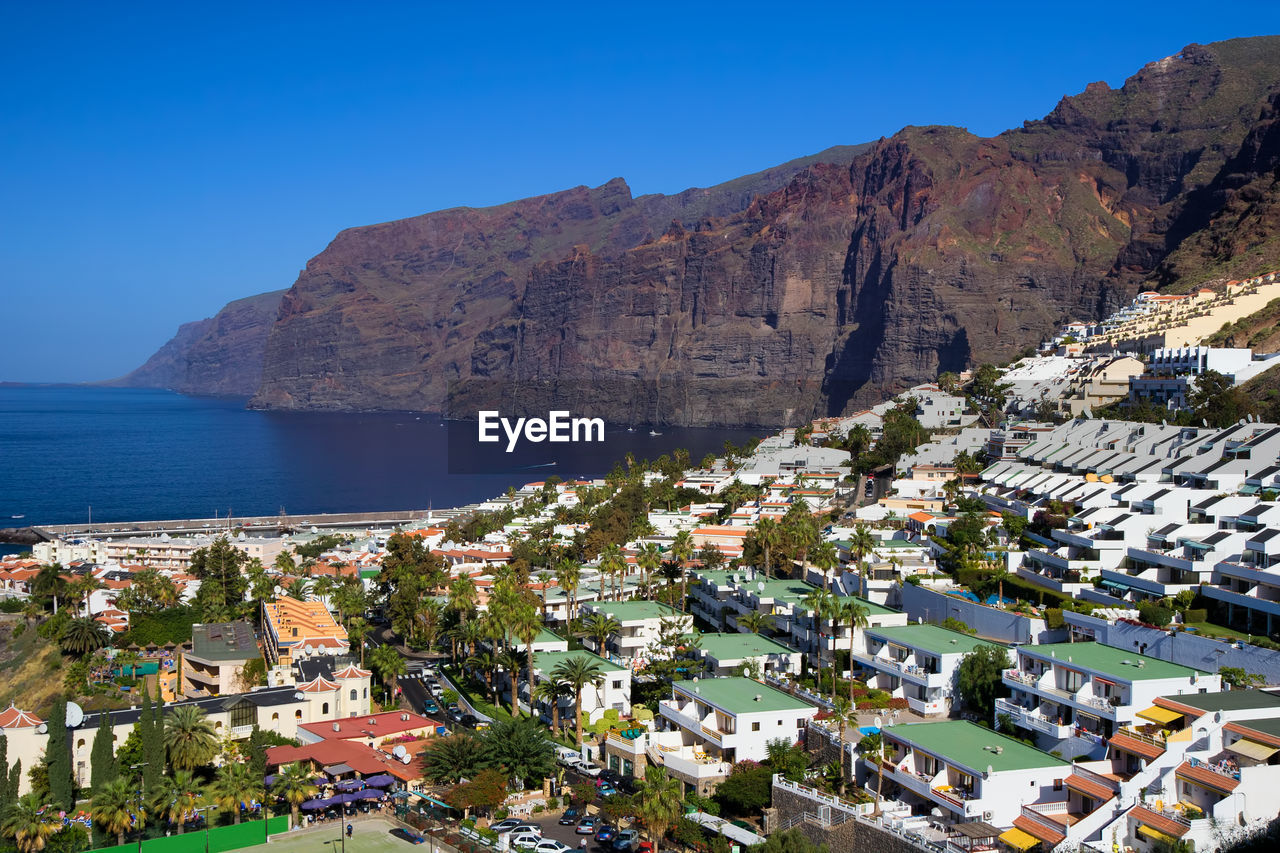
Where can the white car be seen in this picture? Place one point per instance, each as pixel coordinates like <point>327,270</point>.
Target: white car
<point>525,840</point>
<point>550,845</point>
<point>567,756</point>
<point>586,768</point>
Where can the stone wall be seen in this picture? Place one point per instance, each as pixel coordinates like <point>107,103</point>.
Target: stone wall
<point>849,836</point>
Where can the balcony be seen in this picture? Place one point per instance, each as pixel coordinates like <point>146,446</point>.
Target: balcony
<point>1031,718</point>
<point>693,768</point>
<point>679,716</point>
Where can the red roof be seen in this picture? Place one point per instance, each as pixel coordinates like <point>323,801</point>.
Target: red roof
<point>363,759</point>
<point>15,718</point>
<point>1039,830</point>
<point>372,725</point>
<point>1155,820</point>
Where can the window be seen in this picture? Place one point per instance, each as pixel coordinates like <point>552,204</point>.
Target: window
<point>799,723</point>
<point>275,718</point>
<point>366,693</point>
<point>755,727</point>
<point>617,684</point>
<point>297,715</point>
<point>324,709</point>
<point>243,714</point>
<point>354,694</point>
<point>1057,784</point>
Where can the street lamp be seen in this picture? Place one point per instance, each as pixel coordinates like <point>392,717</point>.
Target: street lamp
<point>141,824</point>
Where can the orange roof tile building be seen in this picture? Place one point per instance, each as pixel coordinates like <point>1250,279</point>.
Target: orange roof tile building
<point>298,630</point>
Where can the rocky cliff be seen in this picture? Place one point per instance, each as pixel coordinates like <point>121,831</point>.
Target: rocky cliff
<point>218,356</point>
<point>812,288</point>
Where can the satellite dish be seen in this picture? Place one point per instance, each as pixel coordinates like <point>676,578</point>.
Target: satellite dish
<point>406,759</point>
<point>877,722</point>
<point>760,585</point>
<point>241,537</point>
<point>42,728</point>
<point>314,529</point>
<point>75,715</point>
<point>164,537</point>
<point>399,752</point>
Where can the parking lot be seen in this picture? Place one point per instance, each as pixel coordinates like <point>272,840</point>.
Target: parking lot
<point>551,828</point>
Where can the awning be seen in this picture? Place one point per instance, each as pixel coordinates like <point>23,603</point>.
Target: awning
<point>1163,716</point>
<point>338,769</point>
<point>1252,749</point>
<point>1155,834</point>
<point>1019,840</point>
<point>1116,585</point>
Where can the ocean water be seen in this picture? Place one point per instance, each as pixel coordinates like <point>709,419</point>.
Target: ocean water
<point>137,454</point>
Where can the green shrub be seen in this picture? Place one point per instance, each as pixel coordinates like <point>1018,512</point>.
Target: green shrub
<point>1196,615</point>
<point>553,803</point>
<point>539,809</point>
<point>1053,617</point>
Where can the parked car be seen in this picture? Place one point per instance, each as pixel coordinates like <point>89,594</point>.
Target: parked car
<point>550,845</point>
<point>586,826</point>
<point>506,825</point>
<point>625,840</point>
<point>454,716</point>
<point>644,847</point>
<point>607,790</point>
<point>408,836</point>
<point>586,768</point>
<point>453,706</point>
<point>604,832</point>
<point>525,840</point>
<point>567,756</point>
<point>429,707</point>
<point>570,817</point>
<point>471,721</point>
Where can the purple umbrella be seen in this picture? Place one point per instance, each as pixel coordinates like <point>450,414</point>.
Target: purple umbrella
<point>346,798</point>
<point>349,785</point>
<point>369,794</point>
<point>382,780</point>
<point>314,805</point>
<point>269,781</point>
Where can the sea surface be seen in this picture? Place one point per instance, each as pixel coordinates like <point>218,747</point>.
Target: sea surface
<point>143,455</point>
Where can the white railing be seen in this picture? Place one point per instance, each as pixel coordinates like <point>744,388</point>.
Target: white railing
<point>1105,781</point>
<point>814,795</point>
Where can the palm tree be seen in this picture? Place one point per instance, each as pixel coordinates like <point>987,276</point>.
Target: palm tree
<point>578,671</point>
<point>569,576</point>
<point>544,580</point>
<point>753,621</point>
<point>855,616</point>
<point>484,661</point>
<point>128,658</point>
<point>599,626</point>
<point>550,691</point>
<point>525,624</point>
<point>614,566</point>
<point>298,588</point>
<point>176,797</point>
<point>189,738</point>
<point>815,601</point>
<point>427,621</point>
<point>234,787</point>
<point>682,553</point>
<point>388,663</point>
<point>357,630</point>
<point>48,583</point>
<point>114,807</point>
<point>826,558</point>
<point>83,588</point>
<point>649,560</point>
<point>293,784</point>
<point>842,710</point>
<point>872,749</point>
<point>861,544</point>
<point>461,599</point>
<point>510,661</point>
<point>768,537</point>
<point>29,822</point>
<point>661,799</point>
<point>831,611</point>
<point>83,636</point>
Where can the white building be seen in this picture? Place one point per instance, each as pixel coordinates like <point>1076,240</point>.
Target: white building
<point>918,663</point>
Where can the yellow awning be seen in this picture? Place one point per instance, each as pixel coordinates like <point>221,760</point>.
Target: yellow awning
<point>1156,834</point>
<point>1252,749</point>
<point>1019,840</point>
<point>1156,714</point>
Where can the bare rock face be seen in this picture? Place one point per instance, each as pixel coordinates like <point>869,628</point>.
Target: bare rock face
<point>809,289</point>
<point>218,356</point>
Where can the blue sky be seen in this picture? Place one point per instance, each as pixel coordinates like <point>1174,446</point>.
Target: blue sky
<point>159,160</point>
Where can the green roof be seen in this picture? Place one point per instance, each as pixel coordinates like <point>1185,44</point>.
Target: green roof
<point>544,636</point>
<point>632,611</point>
<point>873,609</point>
<point>1264,726</point>
<point>1109,660</point>
<point>931,638</point>
<point>969,745</point>
<point>544,662</point>
<point>736,646</point>
<point>1228,700</point>
<point>719,577</point>
<point>737,695</point>
<point>782,589</point>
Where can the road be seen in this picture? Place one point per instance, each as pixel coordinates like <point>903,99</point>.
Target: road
<point>416,693</point>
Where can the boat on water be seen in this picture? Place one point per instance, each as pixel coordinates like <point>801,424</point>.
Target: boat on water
<point>654,432</point>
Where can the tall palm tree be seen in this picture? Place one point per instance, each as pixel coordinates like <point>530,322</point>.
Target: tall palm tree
<point>49,583</point>
<point>29,822</point>
<point>544,580</point>
<point>768,537</point>
<point>461,599</point>
<point>293,785</point>
<point>569,576</point>
<point>872,749</point>
<point>682,553</point>
<point>388,663</point>
<point>83,588</point>
<point>357,630</point>
<point>550,691</point>
<point>189,738</point>
<point>525,624</point>
<point>234,787</point>
<point>599,626</point>
<point>428,620</point>
<point>825,558</point>
<point>613,565</point>
<point>753,621</point>
<point>484,661</point>
<point>115,806</point>
<point>861,543</point>
<point>649,560</point>
<point>510,661</point>
<point>176,797</point>
<point>815,601</point>
<point>831,611</point>
<point>854,614</point>
<point>661,799</point>
<point>842,710</point>
<point>578,671</point>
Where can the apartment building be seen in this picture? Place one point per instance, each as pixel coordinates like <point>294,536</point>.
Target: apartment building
<point>640,625</point>
<point>726,720</point>
<point>217,659</point>
<point>967,771</point>
<point>613,690</point>
<point>1075,696</point>
<point>918,663</point>
<point>730,654</point>
<point>297,630</point>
